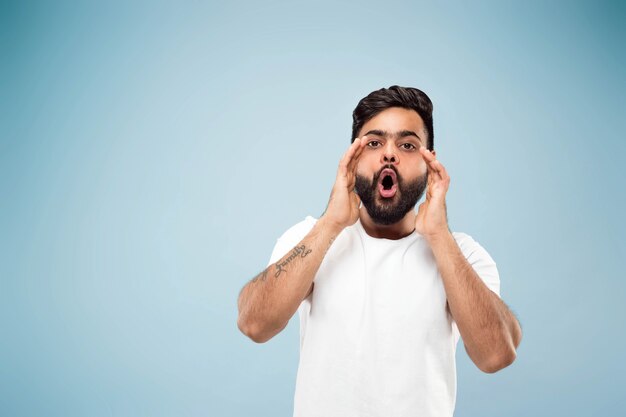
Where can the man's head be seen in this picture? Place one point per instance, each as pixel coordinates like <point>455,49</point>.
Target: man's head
<point>394,96</point>
<point>391,173</point>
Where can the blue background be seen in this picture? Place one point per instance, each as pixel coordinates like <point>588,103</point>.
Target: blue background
<point>151,153</point>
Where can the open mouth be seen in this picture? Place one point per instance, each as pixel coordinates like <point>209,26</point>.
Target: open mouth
<point>388,183</point>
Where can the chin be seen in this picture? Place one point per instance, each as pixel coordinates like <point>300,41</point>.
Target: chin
<point>388,200</point>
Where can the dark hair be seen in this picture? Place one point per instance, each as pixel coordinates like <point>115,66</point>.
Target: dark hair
<point>394,96</point>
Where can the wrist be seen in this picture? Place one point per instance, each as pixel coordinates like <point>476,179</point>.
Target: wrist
<point>329,225</point>
<point>438,237</point>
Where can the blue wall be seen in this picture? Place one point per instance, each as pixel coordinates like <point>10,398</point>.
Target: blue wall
<point>151,154</point>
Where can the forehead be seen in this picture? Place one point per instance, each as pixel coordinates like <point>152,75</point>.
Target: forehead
<point>396,119</point>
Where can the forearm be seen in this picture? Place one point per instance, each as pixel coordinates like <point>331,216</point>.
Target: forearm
<point>489,330</point>
<point>270,299</point>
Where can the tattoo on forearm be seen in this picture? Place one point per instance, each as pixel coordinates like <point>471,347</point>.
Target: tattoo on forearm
<point>301,250</point>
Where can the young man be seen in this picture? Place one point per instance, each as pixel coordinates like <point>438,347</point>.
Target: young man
<point>383,293</point>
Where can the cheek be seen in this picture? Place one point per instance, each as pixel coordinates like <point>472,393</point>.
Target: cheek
<point>362,170</point>
<point>421,167</point>
<point>416,173</point>
<point>365,166</point>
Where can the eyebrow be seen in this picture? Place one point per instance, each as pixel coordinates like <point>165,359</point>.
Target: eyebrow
<point>399,134</point>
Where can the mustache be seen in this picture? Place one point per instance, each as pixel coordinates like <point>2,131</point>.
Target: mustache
<point>388,166</point>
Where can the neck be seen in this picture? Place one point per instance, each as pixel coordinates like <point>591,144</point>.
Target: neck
<point>395,231</point>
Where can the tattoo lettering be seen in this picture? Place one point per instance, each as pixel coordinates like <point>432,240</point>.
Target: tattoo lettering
<point>298,250</point>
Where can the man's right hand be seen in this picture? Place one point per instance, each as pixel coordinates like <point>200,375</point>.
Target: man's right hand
<point>343,206</point>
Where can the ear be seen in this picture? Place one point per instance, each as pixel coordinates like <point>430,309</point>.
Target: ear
<point>434,152</point>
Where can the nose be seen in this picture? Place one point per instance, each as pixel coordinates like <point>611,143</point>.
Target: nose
<point>389,154</point>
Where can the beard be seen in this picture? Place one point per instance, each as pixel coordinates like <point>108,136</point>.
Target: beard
<point>386,211</point>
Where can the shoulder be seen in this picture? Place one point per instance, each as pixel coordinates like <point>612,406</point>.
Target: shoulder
<point>291,237</point>
<point>462,237</point>
<point>464,240</point>
<point>480,260</point>
<point>469,246</point>
<point>299,230</point>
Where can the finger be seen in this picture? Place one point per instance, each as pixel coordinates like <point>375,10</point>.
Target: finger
<point>432,173</point>
<point>428,158</point>
<point>355,158</point>
<point>355,161</point>
<point>361,148</point>
<point>343,164</point>
<point>350,152</point>
<point>426,154</point>
<point>442,171</point>
<point>357,155</point>
<point>433,163</point>
<point>438,168</point>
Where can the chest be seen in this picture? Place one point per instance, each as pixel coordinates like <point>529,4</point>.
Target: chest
<point>388,289</point>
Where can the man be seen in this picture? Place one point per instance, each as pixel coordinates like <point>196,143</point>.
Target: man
<point>383,293</point>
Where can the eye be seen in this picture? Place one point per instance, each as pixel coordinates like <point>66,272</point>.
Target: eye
<point>373,141</point>
<point>410,144</point>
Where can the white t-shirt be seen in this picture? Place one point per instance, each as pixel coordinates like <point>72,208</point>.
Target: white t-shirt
<point>376,338</point>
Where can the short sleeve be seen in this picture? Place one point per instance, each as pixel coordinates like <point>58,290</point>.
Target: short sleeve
<point>284,244</point>
<point>481,262</point>
<point>291,238</point>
